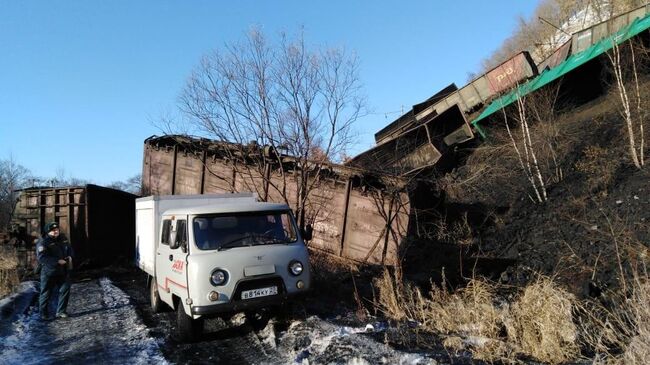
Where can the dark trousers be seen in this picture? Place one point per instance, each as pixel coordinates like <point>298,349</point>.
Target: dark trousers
<point>49,283</point>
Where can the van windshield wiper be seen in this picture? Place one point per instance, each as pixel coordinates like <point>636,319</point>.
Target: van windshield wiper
<point>256,239</point>
<point>235,242</point>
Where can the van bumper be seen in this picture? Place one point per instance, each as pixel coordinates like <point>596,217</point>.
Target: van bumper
<point>243,305</point>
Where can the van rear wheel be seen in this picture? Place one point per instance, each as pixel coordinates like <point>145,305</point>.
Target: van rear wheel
<point>154,297</point>
<point>188,329</point>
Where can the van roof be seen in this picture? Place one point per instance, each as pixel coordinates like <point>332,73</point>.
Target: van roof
<point>227,208</point>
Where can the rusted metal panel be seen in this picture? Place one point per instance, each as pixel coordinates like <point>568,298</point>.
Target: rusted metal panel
<point>99,222</point>
<point>453,99</point>
<point>482,88</point>
<point>469,94</point>
<point>409,151</point>
<point>557,57</point>
<point>501,78</point>
<point>449,128</point>
<point>407,120</point>
<point>511,72</point>
<point>419,148</point>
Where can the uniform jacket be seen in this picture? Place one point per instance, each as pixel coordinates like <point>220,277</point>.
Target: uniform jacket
<point>50,250</point>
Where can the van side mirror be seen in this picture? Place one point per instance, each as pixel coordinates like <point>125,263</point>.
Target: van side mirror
<point>307,232</point>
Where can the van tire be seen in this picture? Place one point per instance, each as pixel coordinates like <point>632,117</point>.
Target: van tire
<point>154,296</point>
<point>187,328</point>
<point>258,319</point>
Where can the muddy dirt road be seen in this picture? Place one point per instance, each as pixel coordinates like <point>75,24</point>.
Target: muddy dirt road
<point>110,323</point>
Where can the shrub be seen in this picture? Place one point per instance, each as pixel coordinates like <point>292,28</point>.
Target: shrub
<point>8,271</point>
<point>540,322</point>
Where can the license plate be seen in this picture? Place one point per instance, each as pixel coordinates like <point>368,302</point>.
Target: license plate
<point>261,292</point>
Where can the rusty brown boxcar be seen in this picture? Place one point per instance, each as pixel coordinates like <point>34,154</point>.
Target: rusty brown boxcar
<point>355,216</point>
<point>99,222</point>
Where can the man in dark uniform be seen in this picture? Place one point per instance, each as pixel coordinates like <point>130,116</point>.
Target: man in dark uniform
<point>54,254</point>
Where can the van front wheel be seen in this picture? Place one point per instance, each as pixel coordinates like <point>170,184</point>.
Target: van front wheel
<point>258,319</point>
<point>154,297</point>
<point>187,328</point>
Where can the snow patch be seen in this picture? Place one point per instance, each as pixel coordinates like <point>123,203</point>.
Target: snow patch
<point>113,296</point>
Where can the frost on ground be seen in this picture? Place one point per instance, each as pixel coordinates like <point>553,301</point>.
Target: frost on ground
<point>315,341</point>
<point>103,327</point>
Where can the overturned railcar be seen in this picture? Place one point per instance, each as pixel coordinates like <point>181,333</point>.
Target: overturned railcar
<point>355,215</point>
<point>99,222</point>
<point>421,147</point>
<point>420,138</point>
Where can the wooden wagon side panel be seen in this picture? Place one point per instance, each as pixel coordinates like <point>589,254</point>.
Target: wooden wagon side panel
<point>189,168</point>
<point>325,210</point>
<point>218,177</point>
<point>158,170</point>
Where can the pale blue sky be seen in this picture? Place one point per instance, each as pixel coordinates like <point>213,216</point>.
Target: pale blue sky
<point>80,81</point>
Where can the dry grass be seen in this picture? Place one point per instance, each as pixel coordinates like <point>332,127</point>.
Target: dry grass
<point>8,271</point>
<point>638,349</point>
<point>599,167</point>
<point>620,332</point>
<point>539,323</point>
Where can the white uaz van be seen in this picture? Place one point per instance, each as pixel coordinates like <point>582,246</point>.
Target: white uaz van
<point>214,255</point>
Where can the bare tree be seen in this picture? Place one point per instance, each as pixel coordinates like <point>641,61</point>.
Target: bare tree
<point>131,185</point>
<point>624,65</point>
<point>285,101</point>
<point>525,150</point>
<point>13,176</point>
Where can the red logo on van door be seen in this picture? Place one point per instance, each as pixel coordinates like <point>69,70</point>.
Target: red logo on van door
<point>178,265</point>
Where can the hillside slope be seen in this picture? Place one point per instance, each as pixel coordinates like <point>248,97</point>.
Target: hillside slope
<point>595,224</point>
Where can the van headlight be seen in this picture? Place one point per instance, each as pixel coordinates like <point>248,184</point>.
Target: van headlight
<point>218,277</point>
<point>295,267</point>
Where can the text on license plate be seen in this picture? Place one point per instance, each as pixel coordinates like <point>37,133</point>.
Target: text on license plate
<point>261,292</point>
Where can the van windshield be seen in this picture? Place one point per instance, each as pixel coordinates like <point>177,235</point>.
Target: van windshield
<point>220,232</point>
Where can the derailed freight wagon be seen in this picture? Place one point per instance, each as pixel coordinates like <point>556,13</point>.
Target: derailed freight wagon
<point>354,215</point>
<point>421,147</point>
<point>99,222</point>
<point>468,99</point>
<point>420,138</point>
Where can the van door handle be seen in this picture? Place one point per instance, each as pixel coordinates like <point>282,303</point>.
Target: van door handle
<point>171,257</point>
